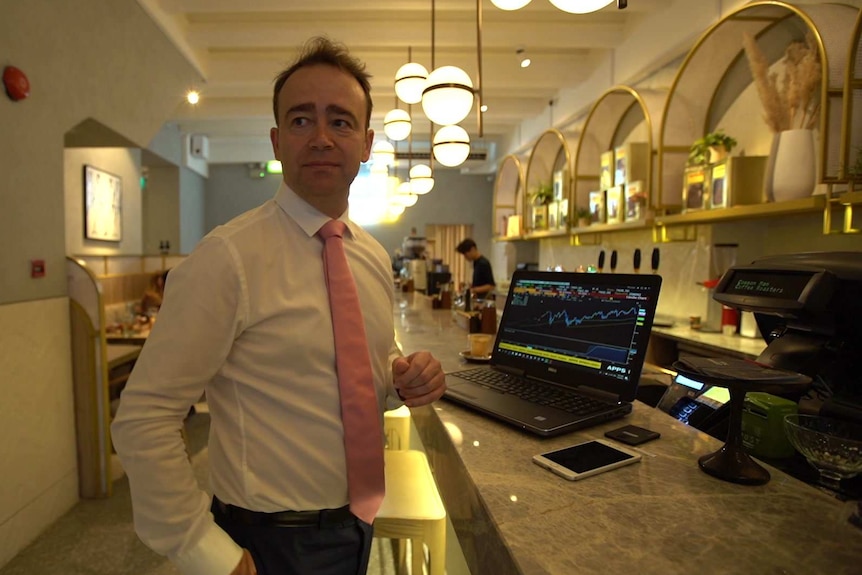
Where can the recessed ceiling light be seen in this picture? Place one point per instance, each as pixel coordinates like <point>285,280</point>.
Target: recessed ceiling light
<point>193,97</point>
<point>483,108</point>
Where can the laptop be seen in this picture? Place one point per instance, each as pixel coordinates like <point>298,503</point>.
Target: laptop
<point>569,351</point>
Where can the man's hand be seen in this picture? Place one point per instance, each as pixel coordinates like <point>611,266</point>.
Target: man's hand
<point>245,566</point>
<point>418,378</point>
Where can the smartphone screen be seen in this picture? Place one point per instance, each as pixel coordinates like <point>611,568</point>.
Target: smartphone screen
<point>585,459</point>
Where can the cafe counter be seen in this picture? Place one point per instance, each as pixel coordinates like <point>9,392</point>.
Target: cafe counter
<point>662,515</point>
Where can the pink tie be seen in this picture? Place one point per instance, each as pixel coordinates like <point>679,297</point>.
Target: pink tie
<point>363,436</point>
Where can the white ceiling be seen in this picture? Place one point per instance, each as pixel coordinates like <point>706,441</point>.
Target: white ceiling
<point>240,46</point>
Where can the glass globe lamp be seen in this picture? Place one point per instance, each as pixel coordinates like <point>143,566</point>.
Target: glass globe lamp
<point>580,6</point>
<point>421,179</point>
<point>396,124</point>
<point>448,95</point>
<point>510,4</point>
<point>409,82</point>
<point>384,153</point>
<point>451,145</point>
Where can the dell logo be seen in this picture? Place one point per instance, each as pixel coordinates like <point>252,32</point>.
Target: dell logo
<point>552,369</point>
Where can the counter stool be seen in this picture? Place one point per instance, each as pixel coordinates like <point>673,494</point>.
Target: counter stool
<point>396,428</point>
<point>412,509</point>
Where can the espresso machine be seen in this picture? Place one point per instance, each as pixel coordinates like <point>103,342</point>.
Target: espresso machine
<point>415,265</point>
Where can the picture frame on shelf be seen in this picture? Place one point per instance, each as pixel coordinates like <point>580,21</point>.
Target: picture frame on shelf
<point>563,217</point>
<point>597,207</point>
<point>553,212</point>
<point>631,163</point>
<point>559,184</point>
<point>695,188</point>
<point>737,180</point>
<point>103,205</point>
<point>606,171</point>
<point>614,205</point>
<point>540,217</point>
<point>636,201</point>
<point>513,226</point>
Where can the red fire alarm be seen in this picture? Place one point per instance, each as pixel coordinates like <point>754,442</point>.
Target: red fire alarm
<point>16,83</point>
<point>37,268</point>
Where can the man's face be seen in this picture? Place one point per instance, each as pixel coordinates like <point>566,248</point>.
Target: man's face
<point>321,136</point>
<point>471,254</point>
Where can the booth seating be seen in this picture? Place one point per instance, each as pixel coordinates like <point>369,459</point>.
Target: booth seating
<point>412,508</point>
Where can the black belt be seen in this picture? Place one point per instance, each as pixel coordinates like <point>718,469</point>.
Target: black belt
<point>324,518</point>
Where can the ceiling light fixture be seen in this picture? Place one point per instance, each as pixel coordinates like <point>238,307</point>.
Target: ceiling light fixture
<point>580,6</point>
<point>523,59</point>
<point>510,4</point>
<point>421,179</point>
<point>383,152</point>
<point>451,145</point>
<point>410,80</point>
<point>397,125</point>
<point>570,6</point>
<point>448,95</point>
<point>193,97</point>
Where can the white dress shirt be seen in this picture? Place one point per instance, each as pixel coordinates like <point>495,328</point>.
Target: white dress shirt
<point>246,318</point>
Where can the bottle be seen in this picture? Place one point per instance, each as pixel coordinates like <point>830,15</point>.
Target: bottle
<point>468,300</point>
<point>489,317</point>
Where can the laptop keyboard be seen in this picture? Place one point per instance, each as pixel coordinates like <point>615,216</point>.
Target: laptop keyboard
<point>542,394</point>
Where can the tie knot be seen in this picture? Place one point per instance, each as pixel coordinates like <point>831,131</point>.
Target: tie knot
<point>332,228</point>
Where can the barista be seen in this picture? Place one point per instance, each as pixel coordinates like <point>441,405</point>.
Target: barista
<point>483,276</point>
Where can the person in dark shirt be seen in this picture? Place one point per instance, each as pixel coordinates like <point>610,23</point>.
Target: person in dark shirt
<point>483,276</point>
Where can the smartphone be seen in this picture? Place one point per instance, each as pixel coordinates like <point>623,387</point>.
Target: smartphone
<point>586,459</point>
<point>632,434</point>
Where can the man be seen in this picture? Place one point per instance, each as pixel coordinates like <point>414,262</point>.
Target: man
<point>246,318</point>
<point>483,276</point>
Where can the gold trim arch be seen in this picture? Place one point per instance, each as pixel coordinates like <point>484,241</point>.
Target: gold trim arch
<point>508,193</point>
<point>851,126</point>
<point>690,109</point>
<point>610,121</point>
<point>550,153</point>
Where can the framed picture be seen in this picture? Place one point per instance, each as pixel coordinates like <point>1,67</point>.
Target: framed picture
<point>718,191</point>
<point>563,217</point>
<point>606,174</point>
<point>540,217</point>
<point>695,189</point>
<point>635,201</point>
<point>614,205</point>
<point>103,205</point>
<point>597,207</point>
<point>559,178</point>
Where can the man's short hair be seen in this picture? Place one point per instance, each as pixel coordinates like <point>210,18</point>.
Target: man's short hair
<point>465,246</point>
<point>322,50</point>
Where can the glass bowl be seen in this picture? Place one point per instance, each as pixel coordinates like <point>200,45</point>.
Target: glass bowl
<point>832,446</point>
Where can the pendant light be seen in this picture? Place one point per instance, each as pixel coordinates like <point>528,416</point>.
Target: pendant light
<point>580,6</point>
<point>451,145</point>
<point>397,125</point>
<point>410,81</point>
<point>510,4</point>
<point>448,95</point>
<point>421,179</point>
<point>383,152</point>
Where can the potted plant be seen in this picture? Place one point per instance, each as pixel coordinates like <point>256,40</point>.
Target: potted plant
<point>712,148</point>
<point>543,195</point>
<point>584,218</point>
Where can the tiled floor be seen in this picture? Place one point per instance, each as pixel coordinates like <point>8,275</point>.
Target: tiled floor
<point>97,538</point>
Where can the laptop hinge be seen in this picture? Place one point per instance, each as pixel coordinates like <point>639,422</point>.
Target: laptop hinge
<point>510,370</point>
<point>599,394</point>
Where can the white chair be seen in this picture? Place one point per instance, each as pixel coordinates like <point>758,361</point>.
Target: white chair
<point>412,509</point>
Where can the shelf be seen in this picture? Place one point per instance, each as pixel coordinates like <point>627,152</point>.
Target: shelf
<point>541,234</point>
<point>622,226</point>
<point>750,212</point>
<point>507,238</point>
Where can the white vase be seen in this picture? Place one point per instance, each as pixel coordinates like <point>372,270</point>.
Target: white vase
<point>791,171</point>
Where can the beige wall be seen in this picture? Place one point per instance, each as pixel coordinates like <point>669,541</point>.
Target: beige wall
<point>85,59</point>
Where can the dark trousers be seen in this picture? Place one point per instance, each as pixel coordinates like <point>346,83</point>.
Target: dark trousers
<point>326,549</point>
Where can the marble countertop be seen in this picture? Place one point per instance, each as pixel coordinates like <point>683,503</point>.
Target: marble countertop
<point>662,515</point>
<point>736,344</point>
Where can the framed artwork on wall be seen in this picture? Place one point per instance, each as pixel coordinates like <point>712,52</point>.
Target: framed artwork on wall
<point>103,205</point>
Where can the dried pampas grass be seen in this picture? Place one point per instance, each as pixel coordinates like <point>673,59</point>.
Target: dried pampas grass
<point>794,102</point>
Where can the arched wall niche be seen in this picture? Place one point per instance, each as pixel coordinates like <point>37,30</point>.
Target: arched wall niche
<point>550,159</point>
<point>508,194</point>
<point>620,115</point>
<point>715,73</point>
<point>851,137</point>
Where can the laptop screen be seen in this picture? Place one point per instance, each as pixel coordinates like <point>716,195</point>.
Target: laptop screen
<point>579,329</point>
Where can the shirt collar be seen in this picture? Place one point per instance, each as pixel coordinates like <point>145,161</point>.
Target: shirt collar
<point>307,217</point>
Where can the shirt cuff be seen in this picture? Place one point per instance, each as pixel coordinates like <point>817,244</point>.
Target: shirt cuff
<point>215,554</point>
